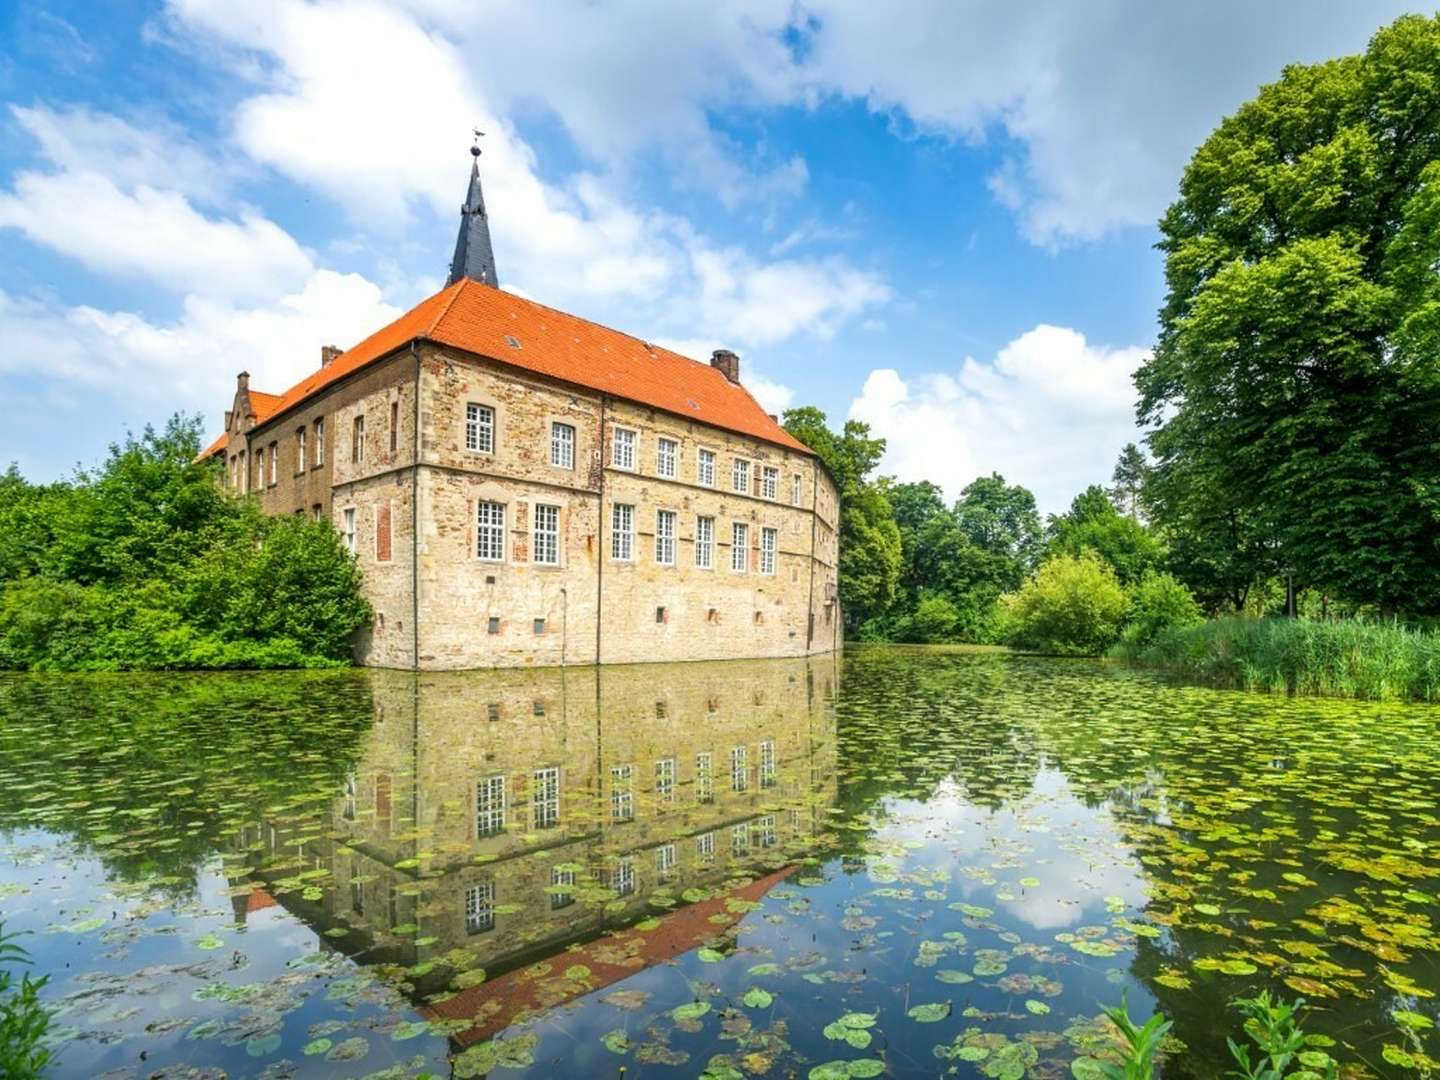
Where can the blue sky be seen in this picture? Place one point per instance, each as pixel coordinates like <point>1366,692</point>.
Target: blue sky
<point>933,215</point>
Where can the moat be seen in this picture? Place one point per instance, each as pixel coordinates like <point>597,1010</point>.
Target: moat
<point>897,862</point>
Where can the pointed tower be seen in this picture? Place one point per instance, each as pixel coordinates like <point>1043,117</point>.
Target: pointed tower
<point>474,258</point>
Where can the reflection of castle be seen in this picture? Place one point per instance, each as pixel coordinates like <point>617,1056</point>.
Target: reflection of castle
<point>508,814</point>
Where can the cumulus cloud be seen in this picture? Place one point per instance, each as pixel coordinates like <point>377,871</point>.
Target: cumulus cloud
<point>1051,411</point>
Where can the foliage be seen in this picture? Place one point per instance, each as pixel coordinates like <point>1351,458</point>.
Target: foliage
<point>1131,472</point>
<point>1344,658</point>
<point>1159,602</point>
<point>148,563</point>
<point>1271,1025</point>
<point>1092,523</point>
<point>24,1021</point>
<point>1293,388</point>
<point>1073,606</point>
<point>1142,1044</point>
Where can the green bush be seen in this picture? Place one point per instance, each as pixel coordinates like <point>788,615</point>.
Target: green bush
<point>1073,606</point>
<point>1159,602</point>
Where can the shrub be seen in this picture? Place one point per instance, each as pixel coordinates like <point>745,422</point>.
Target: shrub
<point>1159,602</point>
<point>1073,606</point>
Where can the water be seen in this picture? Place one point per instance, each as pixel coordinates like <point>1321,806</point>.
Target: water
<point>902,863</point>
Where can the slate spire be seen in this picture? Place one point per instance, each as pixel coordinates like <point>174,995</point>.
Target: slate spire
<point>474,258</point>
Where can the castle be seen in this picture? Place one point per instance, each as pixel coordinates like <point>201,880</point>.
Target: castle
<point>524,487</point>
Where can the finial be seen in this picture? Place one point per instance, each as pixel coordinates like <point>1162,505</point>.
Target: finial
<point>475,149</point>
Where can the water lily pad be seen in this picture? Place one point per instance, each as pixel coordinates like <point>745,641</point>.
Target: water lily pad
<point>929,1013</point>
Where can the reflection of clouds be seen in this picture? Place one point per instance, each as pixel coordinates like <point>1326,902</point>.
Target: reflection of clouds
<point>1075,850</point>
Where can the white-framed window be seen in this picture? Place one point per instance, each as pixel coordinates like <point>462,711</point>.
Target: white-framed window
<point>740,476</point>
<point>665,860</point>
<point>767,763</point>
<point>769,482</point>
<point>622,449</point>
<point>479,428</point>
<point>546,535</point>
<point>562,887</point>
<point>300,454</point>
<point>765,831</point>
<point>622,795</point>
<point>622,532</point>
<point>665,780</point>
<point>545,797</point>
<point>622,877</point>
<point>490,531</point>
<point>562,445</point>
<point>705,467</point>
<point>797,489</point>
<point>665,537</point>
<point>769,540</point>
<point>705,542</point>
<point>739,546</point>
<point>705,846</point>
<point>740,838</point>
<point>347,528</point>
<point>490,806</point>
<point>480,907</point>
<point>274,462</point>
<point>739,769</point>
<point>704,777</point>
<point>666,452</point>
<point>357,440</point>
<point>320,441</point>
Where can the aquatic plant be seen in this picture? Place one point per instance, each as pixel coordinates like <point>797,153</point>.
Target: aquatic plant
<point>1142,1043</point>
<point>1285,1050</point>
<point>24,1021</point>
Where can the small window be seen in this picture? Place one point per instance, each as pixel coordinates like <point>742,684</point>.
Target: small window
<point>770,482</point>
<point>769,540</point>
<point>480,908</point>
<point>274,462</point>
<point>300,455</point>
<point>394,426</point>
<point>539,626</point>
<point>765,831</point>
<point>623,449</point>
<point>705,468</point>
<point>490,806</point>
<point>622,797</point>
<point>740,476</point>
<point>666,452</point>
<point>479,428</point>
<point>797,489</point>
<point>665,861</point>
<point>704,542</point>
<point>490,531</point>
<point>665,780</point>
<point>660,616</point>
<point>705,847</point>
<point>739,839</point>
<point>739,769</point>
<point>317,512</point>
<point>494,625</point>
<point>562,446</point>
<point>665,537</point>
<point>767,763</point>
<point>545,799</point>
<point>357,440</point>
<point>545,546</point>
<point>622,878</point>
<point>347,528</point>
<point>320,441</point>
<point>739,547</point>
<point>562,887</point>
<point>704,778</point>
<point>492,711</point>
<point>622,532</point>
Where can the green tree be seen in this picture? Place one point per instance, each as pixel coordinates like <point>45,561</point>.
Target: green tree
<point>1293,391</point>
<point>1159,602</point>
<point>1073,606</point>
<point>1128,480</point>
<point>1092,523</point>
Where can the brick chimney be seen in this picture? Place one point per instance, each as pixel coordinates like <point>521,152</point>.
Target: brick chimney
<point>328,353</point>
<point>727,362</point>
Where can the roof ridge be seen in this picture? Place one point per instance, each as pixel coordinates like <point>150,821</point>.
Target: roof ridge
<point>458,288</point>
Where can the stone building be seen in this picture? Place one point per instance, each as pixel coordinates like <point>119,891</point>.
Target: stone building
<point>524,487</point>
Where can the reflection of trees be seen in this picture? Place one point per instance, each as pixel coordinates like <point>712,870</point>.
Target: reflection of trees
<point>150,773</point>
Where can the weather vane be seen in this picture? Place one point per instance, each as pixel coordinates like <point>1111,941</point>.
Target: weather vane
<point>475,150</point>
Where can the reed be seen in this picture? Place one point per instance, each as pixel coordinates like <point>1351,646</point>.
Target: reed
<point>1349,658</point>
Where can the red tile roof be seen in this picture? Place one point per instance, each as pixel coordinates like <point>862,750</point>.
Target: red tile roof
<point>480,319</point>
<point>265,406</point>
<point>215,447</point>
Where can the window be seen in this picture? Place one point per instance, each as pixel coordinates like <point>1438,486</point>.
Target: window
<point>767,763</point>
<point>664,860</point>
<point>765,830</point>
<point>562,887</point>
<point>479,428</point>
<point>493,626</point>
<point>260,468</point>
<point>740,476</point>
<point>705,846</point>
<point>300,451</point>
<point>274,462</point>
<point>623,450</point>
<point>546,545</point>
<point>545,799</point>
<point>490,806</point>
<point>739,546</point>
<point>739,769</point>
<point>704,542</point>
<point>562,446</point>
<point>347,528</point>
<point>665,537</point>
<point>666,451</point>
<point>797,489</point>
<point>317,512</point>
<point>739,839</point>
<point>705,468</point>
<point>665,780</point>
<point>769,538</point>
<point>394,426</point>
<point>770,482</point>
<point>622,878</point>
<point>490,531</point>
<point>480,908</point>
<point>320,441</point>
<point>661,616</point>
<point>357,440</point>
<point>622,798</point>
<point>539,627</point>
<point>352,795</point>
<point>704,778</point>
<point>622,532</point>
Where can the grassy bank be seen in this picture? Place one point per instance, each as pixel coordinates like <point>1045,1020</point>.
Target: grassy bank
<point>1374,661</point>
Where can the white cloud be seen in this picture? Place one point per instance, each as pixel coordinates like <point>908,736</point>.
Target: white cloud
<point>1050,412</point>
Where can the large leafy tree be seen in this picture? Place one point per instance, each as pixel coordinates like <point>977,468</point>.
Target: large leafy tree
<point>1093,524</point>
<point>1295,389</point>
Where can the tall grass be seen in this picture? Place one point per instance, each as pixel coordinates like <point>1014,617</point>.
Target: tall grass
<point>1375,661</point>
